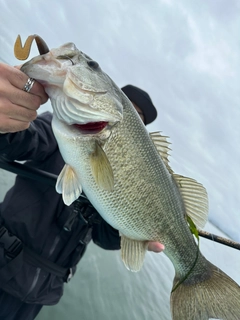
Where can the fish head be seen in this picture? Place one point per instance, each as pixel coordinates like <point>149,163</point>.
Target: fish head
<point>80,92</point>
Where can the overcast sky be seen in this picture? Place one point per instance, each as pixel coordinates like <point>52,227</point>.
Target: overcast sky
<point>185,54</point>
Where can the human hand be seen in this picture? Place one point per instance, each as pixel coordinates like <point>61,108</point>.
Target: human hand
<point>17,107</point>
<point>155,246</point>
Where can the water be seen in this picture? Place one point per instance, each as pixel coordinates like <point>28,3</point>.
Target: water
<point>104,289</point>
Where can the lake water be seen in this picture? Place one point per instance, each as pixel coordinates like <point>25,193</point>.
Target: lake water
<point>104,289</point>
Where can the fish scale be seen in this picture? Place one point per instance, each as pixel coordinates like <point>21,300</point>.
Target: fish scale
<point>124,172</point>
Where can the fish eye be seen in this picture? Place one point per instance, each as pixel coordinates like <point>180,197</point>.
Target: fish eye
<point>93,64</point>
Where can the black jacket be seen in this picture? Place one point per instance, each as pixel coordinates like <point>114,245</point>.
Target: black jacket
<point>36,214</point>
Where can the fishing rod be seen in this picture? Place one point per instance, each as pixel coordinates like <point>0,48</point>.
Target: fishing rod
<point>29,172</point>
<point>50,179</point>
<point>26,171</point>
<point>215,238</point>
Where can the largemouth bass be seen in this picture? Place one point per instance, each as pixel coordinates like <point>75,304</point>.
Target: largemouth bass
<point>125,173</point>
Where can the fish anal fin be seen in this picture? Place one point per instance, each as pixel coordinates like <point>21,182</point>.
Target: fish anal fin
<point>101,169</point>
<point>133,253</point>
<point>68,184</point>
<point>195,199</point>
<point>162,146</point>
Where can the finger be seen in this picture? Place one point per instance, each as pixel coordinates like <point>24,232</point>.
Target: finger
<point>19,97</point>
<point>156,247</point>
<point>19,113</point>
<point>38,90</point>
<point>18,79</point>
<point>16,112</point>
<point>18,67</point>
<point>12,125</point>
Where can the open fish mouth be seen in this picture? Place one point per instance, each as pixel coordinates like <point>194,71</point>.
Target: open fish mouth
<point>91,127</point>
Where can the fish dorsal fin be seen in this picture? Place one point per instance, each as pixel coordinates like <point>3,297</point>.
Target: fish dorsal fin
<point>195,199</point>
<point>68,184</point>
<point>133,253</point>
<point>101,169</point>
<point>162,146</point>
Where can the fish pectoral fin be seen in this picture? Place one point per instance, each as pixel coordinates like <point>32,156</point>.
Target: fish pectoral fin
<point>162,146</point>
<point>195,199</point>
<point>101,169</point>
<point>68,184</point>
<point>133,253</point>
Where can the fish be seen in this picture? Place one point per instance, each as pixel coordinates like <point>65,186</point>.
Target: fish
<point>125,173</point>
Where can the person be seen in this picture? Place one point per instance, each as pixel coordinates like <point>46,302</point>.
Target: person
<point>41,239</point>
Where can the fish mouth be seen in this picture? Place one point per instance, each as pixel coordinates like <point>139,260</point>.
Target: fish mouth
<point>91,127</point>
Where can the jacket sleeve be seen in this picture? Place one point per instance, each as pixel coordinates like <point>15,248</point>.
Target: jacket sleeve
<point>105,236</point>
<point>35,143</point>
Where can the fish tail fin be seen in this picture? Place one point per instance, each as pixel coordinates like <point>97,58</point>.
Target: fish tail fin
<point>196,298</point>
